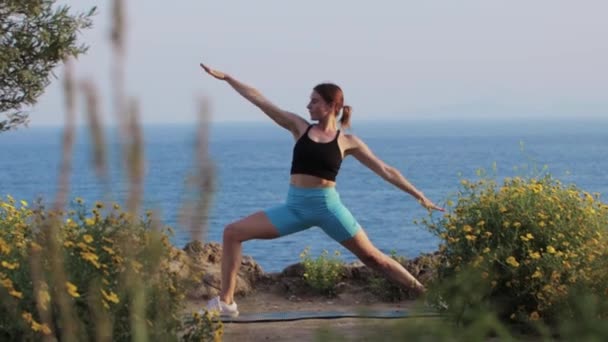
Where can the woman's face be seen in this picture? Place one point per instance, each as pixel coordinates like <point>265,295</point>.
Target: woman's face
<point>317,107</point>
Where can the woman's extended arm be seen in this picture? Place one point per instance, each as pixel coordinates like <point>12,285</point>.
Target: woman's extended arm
<point>285,119</point>
<point>363,154</point>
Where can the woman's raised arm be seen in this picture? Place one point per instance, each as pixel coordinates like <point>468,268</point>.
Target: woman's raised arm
<point>290,121</point>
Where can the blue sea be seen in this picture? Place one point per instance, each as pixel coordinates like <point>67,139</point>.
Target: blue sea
<point>252,162</point>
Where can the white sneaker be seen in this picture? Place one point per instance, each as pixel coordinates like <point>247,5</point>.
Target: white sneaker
<point>222,309</point>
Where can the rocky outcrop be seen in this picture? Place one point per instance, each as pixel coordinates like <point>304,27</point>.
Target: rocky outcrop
<point>201,264</point>
<point>357,276</point>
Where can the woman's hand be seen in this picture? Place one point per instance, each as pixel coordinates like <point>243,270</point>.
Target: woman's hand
<point>215,73</point>
<point>430,205</point>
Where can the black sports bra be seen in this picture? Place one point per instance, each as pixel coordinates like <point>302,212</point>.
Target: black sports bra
<point>315,158</point>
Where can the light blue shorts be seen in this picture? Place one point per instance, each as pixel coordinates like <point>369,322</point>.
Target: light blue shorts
<point>310,207</point>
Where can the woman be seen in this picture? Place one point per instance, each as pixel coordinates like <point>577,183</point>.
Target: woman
<point>312,199</point>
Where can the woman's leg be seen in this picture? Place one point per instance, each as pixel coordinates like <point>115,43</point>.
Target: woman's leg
<point>255,226</point>
<point>360,246</point>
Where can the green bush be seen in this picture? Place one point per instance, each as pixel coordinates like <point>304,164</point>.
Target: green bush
<point>98,274</point>
<point>324,273</point>
<point>531,243</point>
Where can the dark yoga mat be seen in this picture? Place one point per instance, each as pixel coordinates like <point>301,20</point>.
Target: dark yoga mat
<point>252,317</point>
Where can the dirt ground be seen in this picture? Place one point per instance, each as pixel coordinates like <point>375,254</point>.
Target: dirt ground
<point>310,329</point>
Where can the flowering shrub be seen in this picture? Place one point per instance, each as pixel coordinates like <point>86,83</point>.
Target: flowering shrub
<point>531,243</point>
<point>99,274</point>
<point>203,327</point>
<point>323,273</point>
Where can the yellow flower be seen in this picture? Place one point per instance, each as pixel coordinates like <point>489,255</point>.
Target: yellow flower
<point>530,236</point>
<point>217,334</point>
<point>541,224</point>
<point>534,316</point>
<point>516,224</point>
<point>488,234</point>
<point>537,274</point>
<point>512,261</point>
<point>36,326</point>
<point>110,297</point>
<point>506,224</point>
<point>91,257</point>
<point>108,250</point>
<point>7,283</point>
<point>89,221</point>
<point>537,188</point>
<point>23,203</point>
<point>467,228</point>
<point>550,249</point>
<point>471,237</point>
<point>10,266</point>
<point>481,223</point>
<point>87,238</point>
<point>486,250</point>
<point>27,317</point>
<point>72,289</point>
<point>4,247</point>
<point>534,255</point>
<point>15,293</point>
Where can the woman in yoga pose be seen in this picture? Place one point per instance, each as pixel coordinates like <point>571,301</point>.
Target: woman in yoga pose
<point>312,199</point>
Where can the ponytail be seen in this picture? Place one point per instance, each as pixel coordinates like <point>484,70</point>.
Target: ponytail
<point>345,118</point>
<point>333,96</point>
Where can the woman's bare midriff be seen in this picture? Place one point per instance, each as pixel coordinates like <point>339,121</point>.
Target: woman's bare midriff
<point>308,181</point>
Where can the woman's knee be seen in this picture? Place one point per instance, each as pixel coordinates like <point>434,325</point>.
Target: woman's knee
<point>232,233</point>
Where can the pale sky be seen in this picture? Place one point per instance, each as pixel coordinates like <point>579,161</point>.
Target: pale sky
<point>394,59</point>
